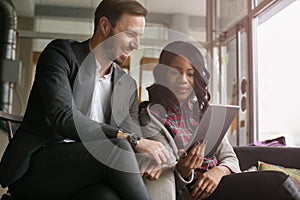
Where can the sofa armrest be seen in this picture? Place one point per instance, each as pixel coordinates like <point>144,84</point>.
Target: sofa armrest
<point>285,156</point>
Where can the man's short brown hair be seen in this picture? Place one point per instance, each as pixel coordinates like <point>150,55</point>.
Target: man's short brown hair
<point>113,10</point>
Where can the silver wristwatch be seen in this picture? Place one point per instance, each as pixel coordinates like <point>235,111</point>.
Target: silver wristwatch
<point>134,139</point>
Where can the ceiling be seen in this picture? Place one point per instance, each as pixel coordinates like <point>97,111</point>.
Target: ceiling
<point>191,7</point>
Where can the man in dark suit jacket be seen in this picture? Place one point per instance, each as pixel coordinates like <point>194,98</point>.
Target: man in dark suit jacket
<point>72,145</point>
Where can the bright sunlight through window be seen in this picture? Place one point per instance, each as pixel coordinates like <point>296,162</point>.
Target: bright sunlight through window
<point>279,76</point>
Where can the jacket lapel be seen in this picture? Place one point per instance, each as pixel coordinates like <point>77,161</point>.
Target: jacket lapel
<point>118,100</point>
<point>84,84</point>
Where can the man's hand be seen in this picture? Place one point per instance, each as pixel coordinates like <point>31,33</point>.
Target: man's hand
<point>154,150</point>
<point>208,182</point>
<point>149,148</point>
<point>150,169</point>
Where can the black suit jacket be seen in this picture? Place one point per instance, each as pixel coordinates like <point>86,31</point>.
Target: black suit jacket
<point>58,106</point>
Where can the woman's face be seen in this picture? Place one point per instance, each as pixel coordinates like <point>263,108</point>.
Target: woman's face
<point>180,78</point>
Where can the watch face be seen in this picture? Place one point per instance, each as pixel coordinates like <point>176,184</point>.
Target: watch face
<point>134,139</point>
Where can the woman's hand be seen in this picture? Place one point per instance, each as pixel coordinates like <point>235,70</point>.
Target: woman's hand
<point>208,182</point>
<point>191,160</point>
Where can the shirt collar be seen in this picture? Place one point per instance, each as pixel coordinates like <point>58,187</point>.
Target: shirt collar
<point>99,67</point>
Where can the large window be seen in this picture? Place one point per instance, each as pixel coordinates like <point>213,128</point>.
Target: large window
<point>278,75</point>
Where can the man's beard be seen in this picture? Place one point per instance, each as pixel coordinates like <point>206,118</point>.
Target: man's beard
<point>109,46</point>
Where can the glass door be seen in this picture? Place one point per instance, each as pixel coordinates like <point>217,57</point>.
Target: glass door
<point>229,83</point>
<point>234,83</point>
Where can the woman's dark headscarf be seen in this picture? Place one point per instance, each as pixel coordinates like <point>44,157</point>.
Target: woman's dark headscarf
<point>189,52</point>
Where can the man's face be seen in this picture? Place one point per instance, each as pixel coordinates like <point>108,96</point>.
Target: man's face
<point>124,37</point>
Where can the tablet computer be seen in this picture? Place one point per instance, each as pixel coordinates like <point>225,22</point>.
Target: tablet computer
<point>213,126</point>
